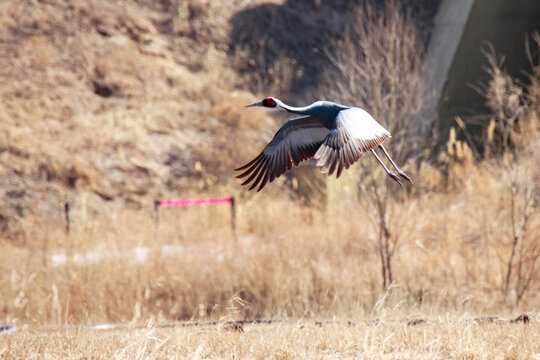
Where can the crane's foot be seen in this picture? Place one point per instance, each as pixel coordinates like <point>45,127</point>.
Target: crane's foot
<point>395,178</point>
<point>405,176</point>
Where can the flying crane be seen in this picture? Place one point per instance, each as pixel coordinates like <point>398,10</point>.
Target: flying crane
<point>333,134</point>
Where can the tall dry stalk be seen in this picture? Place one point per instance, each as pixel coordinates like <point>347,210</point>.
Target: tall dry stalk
<point>384,240</point>
<point>378,66</point>
<point>506,100</point>
<point>524,257</point>
<point>512,128</point>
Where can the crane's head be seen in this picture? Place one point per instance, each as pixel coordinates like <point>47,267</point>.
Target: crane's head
<point>269,102</point>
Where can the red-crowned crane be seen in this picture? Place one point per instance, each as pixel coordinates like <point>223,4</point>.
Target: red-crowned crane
<point>334,134</point>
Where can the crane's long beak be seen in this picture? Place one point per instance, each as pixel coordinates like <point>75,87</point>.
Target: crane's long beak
<point>260,103</point>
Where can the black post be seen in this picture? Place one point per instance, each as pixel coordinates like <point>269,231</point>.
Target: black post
<point>233,218</point>
<point>156,218</point>
<point>67,208</point>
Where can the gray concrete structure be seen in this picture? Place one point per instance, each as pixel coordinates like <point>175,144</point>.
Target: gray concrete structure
<point>463,29</point>
<point>448,28</point>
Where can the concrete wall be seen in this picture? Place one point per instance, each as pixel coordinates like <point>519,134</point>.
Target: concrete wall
<point>448,27</point>
<point>502,23</point>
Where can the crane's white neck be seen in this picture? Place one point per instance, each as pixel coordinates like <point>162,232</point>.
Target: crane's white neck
<point>305,110</point>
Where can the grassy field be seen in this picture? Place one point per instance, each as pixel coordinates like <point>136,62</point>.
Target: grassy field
<point>452,250</point>
<point>322,276</point>
<point>451,337</point>
<point>138,101</point>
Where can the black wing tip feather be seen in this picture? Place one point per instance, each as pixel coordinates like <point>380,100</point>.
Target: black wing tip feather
<point>259,172</point>
<point>265,169</point>
<point>249,163</point>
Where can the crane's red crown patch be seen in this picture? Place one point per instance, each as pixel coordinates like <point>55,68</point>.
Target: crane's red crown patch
<point>269,102</point>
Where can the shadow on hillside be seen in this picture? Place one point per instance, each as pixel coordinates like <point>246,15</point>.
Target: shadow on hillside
<point>282,47</point>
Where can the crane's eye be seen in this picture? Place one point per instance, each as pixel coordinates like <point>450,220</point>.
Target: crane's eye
<point>269,102</point>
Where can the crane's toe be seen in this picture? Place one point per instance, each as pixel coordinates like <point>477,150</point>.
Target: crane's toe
<point>405,176</point>
<point>395,177</point>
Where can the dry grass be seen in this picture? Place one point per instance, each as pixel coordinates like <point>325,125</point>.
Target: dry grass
<point>127,105</point>
<point>288,261</point>
<point>441,338</point>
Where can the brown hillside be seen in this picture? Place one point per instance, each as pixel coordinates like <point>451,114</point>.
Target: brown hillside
<point>118,100</point>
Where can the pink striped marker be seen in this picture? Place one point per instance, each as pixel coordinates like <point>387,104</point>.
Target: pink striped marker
<point>187,202</point>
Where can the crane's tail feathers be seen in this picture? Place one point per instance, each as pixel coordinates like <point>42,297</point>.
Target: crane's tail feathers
<point>332,160</point>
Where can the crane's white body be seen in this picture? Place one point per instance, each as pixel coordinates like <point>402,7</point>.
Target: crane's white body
<point>334,134</point>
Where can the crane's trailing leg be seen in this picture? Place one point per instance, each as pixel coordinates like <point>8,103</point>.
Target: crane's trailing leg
<point>391,174</point>
<point>400,172</point>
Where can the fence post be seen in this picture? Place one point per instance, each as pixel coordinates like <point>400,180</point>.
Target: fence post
<point>156,218</point>
<point>233,218</point>
<point>67,209</point>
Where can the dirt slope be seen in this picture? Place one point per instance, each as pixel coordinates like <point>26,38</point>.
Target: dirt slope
<point>116,100</point>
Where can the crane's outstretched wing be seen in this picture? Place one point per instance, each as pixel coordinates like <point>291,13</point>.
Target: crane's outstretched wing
<point>354,133</point>
<point>297,140</point>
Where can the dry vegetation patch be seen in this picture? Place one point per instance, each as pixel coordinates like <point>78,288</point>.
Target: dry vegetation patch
<point>286,261</point>
<point>440,339</point>
<point>110,105</point>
